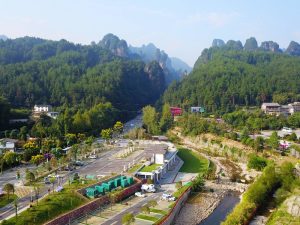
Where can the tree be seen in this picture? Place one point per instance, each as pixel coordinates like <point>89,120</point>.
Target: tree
<point>152,203</point>
<point>10,158</point>
<point>150,119</point>
<point>8,188</point>
<point>293,137</point>
<point>52,181</point>
<point>37,159</point>
<point>106,134</point>
<point>23,133</point>
<point>118,127</point>
<point>274,140</point>
<point>53,162</point>
<point>245,133</point>
<point>198,183</point>
<point>29,176</point>
<point>2,161</point>
<point>145,209</point>
<point>259,143</point>
<point>36,188</point>
<point>166,119</point>
<point>71,139</point>
<point>178,185</point>
<point>16,208</point>
<point>73,151</point>
<point>256,162</point>
<point>128,219</point>
<point>287,175</point>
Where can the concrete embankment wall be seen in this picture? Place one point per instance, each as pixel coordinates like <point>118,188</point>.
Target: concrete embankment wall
<point>169,218</point>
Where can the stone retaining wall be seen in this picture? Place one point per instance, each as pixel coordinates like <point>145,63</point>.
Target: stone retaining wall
<point>169,218</point>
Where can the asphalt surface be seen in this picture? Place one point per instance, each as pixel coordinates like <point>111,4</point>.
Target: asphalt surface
<point>105,165</point>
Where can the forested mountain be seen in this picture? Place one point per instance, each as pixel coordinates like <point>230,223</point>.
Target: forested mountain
<point>230,75</point>
<point>65,75</point>
<point>173,69</point>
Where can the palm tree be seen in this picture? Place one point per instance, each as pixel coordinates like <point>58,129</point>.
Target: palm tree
<point>8,188</point>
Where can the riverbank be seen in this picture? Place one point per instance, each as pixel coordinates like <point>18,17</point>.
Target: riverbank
<point>207,208</point>
<point>199,207</point>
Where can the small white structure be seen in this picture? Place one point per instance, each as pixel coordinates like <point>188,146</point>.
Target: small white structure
<point>42,108</point>
<point>7,144</point>
<point>163,155</point>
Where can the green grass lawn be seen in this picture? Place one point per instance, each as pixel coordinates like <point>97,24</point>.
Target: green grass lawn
<point>146,217</point>
<point>150,168</point>
<point>193,162</point>
<point>4,200</point>
<point>159,211</point>
<point>134,168</point>
<point>179,192</point>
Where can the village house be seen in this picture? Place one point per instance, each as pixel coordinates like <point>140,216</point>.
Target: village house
<point>276,109</point>
<point>8,144</point>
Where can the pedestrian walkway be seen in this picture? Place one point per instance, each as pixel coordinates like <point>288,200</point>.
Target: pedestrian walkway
<point>170,176</point>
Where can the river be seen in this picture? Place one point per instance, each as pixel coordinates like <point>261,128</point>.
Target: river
<point>224,208</point>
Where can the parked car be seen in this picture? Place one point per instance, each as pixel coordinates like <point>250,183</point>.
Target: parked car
<point>78,163</point>
<point>287,130</point>
<point>165,196</point>
<point>92,157</point>
<point>140,194</point>
<point>172,199</point>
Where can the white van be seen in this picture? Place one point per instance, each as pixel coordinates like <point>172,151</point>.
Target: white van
<point>287,130</point>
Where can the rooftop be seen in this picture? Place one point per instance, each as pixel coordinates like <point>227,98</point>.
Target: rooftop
<point>271,104</point>
<point>150,168</point>
<point>9,140</point>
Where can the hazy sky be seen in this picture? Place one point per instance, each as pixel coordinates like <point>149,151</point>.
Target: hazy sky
<point>181,28</point>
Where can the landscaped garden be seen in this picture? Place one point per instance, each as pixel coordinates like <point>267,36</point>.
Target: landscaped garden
<point>52,205</point>
<point>150,168</point>
<point>193,162</point>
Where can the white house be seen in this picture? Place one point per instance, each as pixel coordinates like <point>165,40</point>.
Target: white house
<point>42,108</point>
<point>163,156</point>
<point>7,144</point>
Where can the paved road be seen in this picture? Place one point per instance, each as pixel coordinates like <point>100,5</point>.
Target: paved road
<point>135,209</point>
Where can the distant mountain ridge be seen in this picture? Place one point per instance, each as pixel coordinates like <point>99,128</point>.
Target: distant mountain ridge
<point>250,45</point>
<point>3,37</point>
<point>173,68</point>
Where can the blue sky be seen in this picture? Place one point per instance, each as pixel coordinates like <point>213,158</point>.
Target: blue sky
<point>181,28</point>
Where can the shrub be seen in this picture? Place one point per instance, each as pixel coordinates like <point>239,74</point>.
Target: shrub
<point>256,162</point>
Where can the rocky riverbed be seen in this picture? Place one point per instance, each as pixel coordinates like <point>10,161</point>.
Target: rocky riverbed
<point>199,207</point>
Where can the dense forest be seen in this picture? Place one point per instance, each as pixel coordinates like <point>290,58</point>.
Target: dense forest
<point>225,78</point>
<point>78,77</point>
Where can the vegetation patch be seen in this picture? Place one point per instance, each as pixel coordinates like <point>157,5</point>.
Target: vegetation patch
<point>51,206</point>
<point>134,168</point>
<point>5,200</point>
<point>193,162</point>
<point>146,217</point>
<point>159,211</point>
<point>150,168</point>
